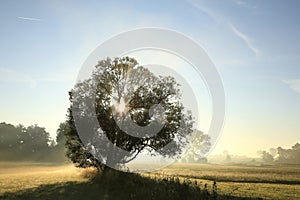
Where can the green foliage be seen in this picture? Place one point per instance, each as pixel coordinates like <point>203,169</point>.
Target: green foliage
<point>112,81</point>
<point>199,145</point>
<point>266,156</point>
<point>18,143</point>
<point>76,151</point>
<point>281,155</point>
<point>291,155</point>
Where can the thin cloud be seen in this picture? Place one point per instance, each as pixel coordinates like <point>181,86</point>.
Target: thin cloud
<point>205,10</point>
<point>293,84</point>
<point>242,4</point>
<point>10,76</point>
<point>219,18</point>
<point>30,18</point>
<point>246,39</point>
<point>246,5</point>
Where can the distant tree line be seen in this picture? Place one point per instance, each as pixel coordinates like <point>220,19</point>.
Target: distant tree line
<point>32,143</point>
<point>281,155</point>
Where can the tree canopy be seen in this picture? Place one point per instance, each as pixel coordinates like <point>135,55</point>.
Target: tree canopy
<point>281,155</point>
<point>198,146</point>
<point>114,113</point>
<point>32,143</point>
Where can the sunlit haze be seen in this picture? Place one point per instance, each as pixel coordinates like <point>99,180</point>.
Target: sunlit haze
<point>253,44</point>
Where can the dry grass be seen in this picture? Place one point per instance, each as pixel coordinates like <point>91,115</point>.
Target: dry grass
<point>67,182</point>
<point>19,176</point>
<point>267,182</point>
<point>255,174</point>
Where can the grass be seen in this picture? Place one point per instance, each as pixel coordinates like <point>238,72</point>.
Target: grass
<point>15,177</point>
<point>267,182</point>
<point>178,181</point>
<point>248,174</point>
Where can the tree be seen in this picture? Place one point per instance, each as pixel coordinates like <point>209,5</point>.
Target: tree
<point>199,145</point>
<point>20,143</point>
<point>291,156</point>
<point>60,138</point>
<point>281,155</point>
<point>227,156</point>
<point>120,92</point>
<point>266,156</point>
<point>58,150</point>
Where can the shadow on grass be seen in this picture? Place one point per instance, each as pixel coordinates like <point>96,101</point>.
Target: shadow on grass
<point>121,185</point>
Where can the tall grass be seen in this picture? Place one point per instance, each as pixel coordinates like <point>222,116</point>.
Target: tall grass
<point>113,184</point>
<point>25,181</point>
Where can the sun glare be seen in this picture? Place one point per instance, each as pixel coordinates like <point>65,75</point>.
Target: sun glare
<point>121,106</point>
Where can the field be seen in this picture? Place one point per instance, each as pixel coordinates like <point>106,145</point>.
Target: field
<point>20,176</point>
<point>267,182</point>
<point>36,181</point>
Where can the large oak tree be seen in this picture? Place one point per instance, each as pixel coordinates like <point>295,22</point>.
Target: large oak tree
<point>122,92</point>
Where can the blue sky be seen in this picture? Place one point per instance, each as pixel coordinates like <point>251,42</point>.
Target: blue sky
<point>254,45</point>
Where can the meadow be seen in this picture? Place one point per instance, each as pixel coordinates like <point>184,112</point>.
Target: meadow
<point>178,181</point>
<point>267,182</point>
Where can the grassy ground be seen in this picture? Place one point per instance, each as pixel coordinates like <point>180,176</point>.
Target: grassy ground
<point>19,176</point>
<point>27,181</point>
<point>267,182</point>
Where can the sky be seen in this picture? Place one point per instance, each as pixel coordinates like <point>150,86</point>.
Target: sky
<point>254,45</point>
